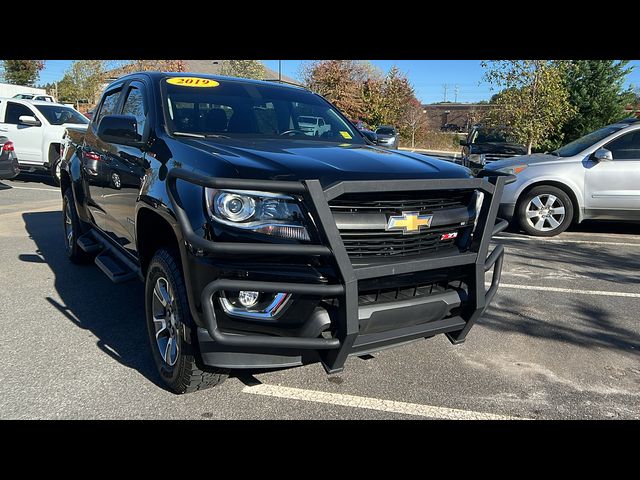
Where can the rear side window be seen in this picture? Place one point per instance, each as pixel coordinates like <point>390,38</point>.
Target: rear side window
<point>15,111</point>
<point>109,104</point>
<point>134,105</point>
<point>626,147</point>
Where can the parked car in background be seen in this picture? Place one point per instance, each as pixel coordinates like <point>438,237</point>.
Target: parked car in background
<point>36,129</point>
<point>387,136</point>
<point>450,127</point>
<point>314,126</point>
<point>8,160</point>
<point>35,96</point>
<point>486,145</point>
<point>595,177</point>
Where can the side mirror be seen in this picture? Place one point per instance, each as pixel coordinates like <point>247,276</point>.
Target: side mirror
<point>463,143</point>
<point>122,129</point>
<point>602,155</point>
<point>29,120</point>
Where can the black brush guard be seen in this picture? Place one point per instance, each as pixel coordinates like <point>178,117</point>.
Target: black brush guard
<point>334,351</point>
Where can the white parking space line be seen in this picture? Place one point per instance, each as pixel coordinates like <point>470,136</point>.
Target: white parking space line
<point>568,290</point>
<point>36,188</point>
<point>557,240</point>
<point>372,403</point>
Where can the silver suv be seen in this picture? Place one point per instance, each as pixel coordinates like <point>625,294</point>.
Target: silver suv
<point>594,177</point>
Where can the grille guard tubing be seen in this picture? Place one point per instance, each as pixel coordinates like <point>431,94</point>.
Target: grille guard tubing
<point>334,351</point>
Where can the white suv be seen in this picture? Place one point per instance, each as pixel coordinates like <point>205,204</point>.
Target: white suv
<point>35,96</point>
<point>36,129</point>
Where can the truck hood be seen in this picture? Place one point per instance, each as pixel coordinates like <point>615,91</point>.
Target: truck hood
<point>328,162</point>
<point>498,147</point>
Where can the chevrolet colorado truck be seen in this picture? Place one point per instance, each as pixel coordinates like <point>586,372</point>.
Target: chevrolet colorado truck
<point>262,247</point>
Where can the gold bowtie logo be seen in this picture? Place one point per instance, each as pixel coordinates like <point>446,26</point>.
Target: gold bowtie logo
<point>409,222</point>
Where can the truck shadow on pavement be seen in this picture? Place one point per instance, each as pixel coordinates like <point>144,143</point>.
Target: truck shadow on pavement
<point>113,313</point>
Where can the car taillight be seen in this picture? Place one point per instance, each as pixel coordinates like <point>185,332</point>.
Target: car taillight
<point>8,147</point>
<point>90,156</point>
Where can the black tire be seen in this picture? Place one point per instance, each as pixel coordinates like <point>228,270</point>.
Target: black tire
<point>70,220</point>
<point>55,173</point>
<point>186,374</point>
<point>544,193</point>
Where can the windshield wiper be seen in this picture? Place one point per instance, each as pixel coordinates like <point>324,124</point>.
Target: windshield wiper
<point>185,134</point>
<point>215,135</point>
<point>554,153</point>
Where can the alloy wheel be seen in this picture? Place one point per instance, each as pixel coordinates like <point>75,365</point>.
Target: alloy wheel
<point>167,325</point>
<point>545,212</point>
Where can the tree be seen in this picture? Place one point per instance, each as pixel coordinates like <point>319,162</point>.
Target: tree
<point>341,82</point>
<point>22,72</point>
<point>243,68</point>
<point>596,91</point>
<point>414,120</point>
<point>131,66</point>
<point>82,82</point>
<point>534,104</point>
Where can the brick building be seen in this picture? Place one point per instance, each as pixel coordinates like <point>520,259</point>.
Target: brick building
<point>461,114</point>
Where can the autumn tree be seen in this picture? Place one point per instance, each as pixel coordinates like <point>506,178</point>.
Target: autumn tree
<point>341,82</point>
<point>534,104</point>
<point>22,72</point>
<point>414,120</point>
<point>243,68</point>
<point>130,66</point>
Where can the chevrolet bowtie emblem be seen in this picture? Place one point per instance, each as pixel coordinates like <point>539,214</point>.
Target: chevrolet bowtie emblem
<point>409,222</point>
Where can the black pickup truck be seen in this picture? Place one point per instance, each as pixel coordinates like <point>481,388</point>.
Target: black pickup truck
<point>262,246</point>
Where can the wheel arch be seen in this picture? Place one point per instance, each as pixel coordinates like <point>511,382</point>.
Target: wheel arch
<point>154,231</point>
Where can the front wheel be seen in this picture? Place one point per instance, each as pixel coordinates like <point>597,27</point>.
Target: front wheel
<point>545,211</point>
<point>172,332</point>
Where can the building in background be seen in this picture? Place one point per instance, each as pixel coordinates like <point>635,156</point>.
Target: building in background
<point>9,90</point>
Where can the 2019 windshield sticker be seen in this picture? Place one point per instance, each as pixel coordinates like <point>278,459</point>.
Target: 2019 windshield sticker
<point>193,82</point>
<point>346,135</point>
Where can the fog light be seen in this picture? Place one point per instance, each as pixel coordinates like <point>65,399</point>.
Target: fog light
<point>248,299</point>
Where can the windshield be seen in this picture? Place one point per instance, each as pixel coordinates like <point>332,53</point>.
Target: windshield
<point>385,131</point>
<point>577,146</point>
<point>491,136</point>
<point>250,110</point>
<point>311,120</point>
<point>57,115</point>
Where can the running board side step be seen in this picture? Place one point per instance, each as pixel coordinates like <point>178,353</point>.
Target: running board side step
<point>113,263</point>
<point>88,243</point>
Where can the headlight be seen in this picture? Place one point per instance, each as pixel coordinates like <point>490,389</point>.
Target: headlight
<point>513,170</point>
<point>269,213</point>
<point>477,158</point>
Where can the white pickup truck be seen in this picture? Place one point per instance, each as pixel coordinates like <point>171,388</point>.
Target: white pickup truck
<point>36,129</point>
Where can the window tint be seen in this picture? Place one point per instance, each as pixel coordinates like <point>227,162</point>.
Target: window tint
<point>15,111</point>
<point>134,105</point>
<point>626,147</point>
<point>109,104</point>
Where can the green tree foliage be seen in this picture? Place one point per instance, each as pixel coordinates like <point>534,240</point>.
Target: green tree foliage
<point>596,90</point>
<point>534,103</point>
<point>82,82</point>
<point>243,68</point>
<point>22,72</point>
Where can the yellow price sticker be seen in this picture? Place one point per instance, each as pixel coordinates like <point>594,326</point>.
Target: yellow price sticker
<point>192,82</point>
<point>346,135</point>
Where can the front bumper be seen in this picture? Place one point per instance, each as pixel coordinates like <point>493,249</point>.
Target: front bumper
<point>355,329</point>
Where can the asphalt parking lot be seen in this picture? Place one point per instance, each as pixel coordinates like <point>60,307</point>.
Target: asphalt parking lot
<point>560,341</point>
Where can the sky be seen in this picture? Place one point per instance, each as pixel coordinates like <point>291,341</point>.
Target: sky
<point>427,76</point>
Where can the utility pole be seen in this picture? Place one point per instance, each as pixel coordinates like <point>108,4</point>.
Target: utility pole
<point>279,70</point>
<point>456,98</point>
<point>445,92</point>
